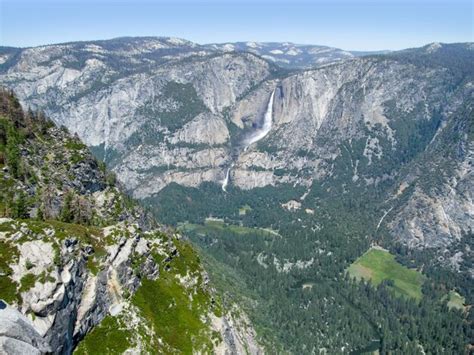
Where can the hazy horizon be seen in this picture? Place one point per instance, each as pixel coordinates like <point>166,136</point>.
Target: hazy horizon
<point>230,42</point>
<point>350,25</point>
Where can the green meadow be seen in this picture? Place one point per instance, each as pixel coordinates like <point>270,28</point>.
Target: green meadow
<point>456,301</point>
<point>378,265</point>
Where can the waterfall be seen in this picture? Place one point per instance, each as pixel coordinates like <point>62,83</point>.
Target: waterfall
<point>255,136</point>
<point>262,131</point>
<point>225,182</point>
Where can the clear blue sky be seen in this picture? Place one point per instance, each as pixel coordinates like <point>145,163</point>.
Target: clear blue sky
<point>355,25</point>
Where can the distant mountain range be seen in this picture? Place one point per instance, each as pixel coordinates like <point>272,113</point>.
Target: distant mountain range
<point>291,55</point>
<point>285,54</point>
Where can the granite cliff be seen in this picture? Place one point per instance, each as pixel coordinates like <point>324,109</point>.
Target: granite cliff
<point>164,110</point>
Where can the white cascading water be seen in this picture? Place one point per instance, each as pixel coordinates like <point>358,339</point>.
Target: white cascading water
<point>255,136</point>
<point>225,182</point>
<point>261,132</point>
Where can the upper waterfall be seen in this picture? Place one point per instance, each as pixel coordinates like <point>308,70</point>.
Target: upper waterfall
<point>262,131</point>
<point>258,134</point>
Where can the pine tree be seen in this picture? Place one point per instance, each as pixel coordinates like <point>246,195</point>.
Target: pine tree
<point>13,152</point>
<point>67,212</point>
<point>20,206</point>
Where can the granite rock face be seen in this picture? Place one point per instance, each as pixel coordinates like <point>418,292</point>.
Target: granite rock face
<point>18,335</point>
<point>162,111</point>
<point>169,110</point>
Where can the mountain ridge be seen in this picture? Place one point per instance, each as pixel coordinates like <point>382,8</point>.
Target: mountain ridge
<point>298,55</point>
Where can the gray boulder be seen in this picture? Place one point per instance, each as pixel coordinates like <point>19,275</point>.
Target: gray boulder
<point>17,334</point>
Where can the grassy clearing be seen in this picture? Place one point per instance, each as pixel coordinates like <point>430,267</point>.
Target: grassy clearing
<point>220,226</point>
<point>378,265</point>
<point>244,209</point>
<point>8,288</point>
<point>456,300</point>
<point>109,337</point>
<point>28,281</point>
<point>177,312</point>
<point>177,320</point>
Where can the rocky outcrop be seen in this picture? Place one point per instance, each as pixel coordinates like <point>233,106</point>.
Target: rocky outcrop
<point>73,291</point>
<point>439,209</point>
<point>76,252</point>
<point>238,334</point>
<point>18,335</point>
